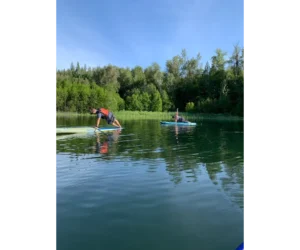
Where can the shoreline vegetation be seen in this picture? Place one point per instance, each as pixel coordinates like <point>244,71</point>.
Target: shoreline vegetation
<point>197,91</point>
<point>167,116</point>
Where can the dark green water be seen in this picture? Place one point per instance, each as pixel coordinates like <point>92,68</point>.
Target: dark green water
<point>151,187</point>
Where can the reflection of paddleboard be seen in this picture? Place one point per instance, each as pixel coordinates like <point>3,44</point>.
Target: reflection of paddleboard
<point>77,130</point>
<point>72,136</point>
<point>179,123</point>
<point>240,247</point>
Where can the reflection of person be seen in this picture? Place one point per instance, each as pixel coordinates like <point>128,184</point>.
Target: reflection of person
<point>102,148</point>
<point>176,133</point>
<point>114,136</point>
<point>181,129</point>
<point>105,114</point>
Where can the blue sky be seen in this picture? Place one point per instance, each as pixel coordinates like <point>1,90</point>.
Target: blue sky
<point>138,32</point>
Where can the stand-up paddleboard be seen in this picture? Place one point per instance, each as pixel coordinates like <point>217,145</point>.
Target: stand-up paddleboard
<point>179,123</point>
<point>240,247</point>
<point>103,129</point>
<point>79,130</point>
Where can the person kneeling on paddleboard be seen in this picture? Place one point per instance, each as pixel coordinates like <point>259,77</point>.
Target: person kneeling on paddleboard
<point>105,114</point>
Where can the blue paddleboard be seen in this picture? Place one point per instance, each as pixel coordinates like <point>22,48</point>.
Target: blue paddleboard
<point>179,123</point>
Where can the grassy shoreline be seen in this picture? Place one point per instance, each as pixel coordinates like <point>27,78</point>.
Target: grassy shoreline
<point>147,115</point>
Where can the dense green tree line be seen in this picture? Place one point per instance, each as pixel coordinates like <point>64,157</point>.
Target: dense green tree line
<point>216,88</point>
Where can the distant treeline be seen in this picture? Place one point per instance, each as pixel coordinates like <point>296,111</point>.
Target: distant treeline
<point>216,88</point>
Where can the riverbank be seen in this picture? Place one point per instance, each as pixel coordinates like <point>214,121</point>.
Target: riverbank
<point>145,115</point>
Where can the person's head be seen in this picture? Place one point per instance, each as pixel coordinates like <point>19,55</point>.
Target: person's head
<point>93,110</point>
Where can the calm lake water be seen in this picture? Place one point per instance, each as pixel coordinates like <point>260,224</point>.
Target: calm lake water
<point>151,187</point>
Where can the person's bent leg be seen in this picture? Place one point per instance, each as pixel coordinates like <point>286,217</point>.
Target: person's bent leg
<point>116,123</point>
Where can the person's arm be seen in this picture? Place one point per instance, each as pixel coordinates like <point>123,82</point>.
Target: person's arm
<point>98,120</point>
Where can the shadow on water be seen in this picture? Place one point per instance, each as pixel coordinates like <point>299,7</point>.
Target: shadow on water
<point>212,148</point>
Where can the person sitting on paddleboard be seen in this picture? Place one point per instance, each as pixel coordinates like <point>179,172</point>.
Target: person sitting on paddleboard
<point>178,118</point>
<point>105,114</point>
